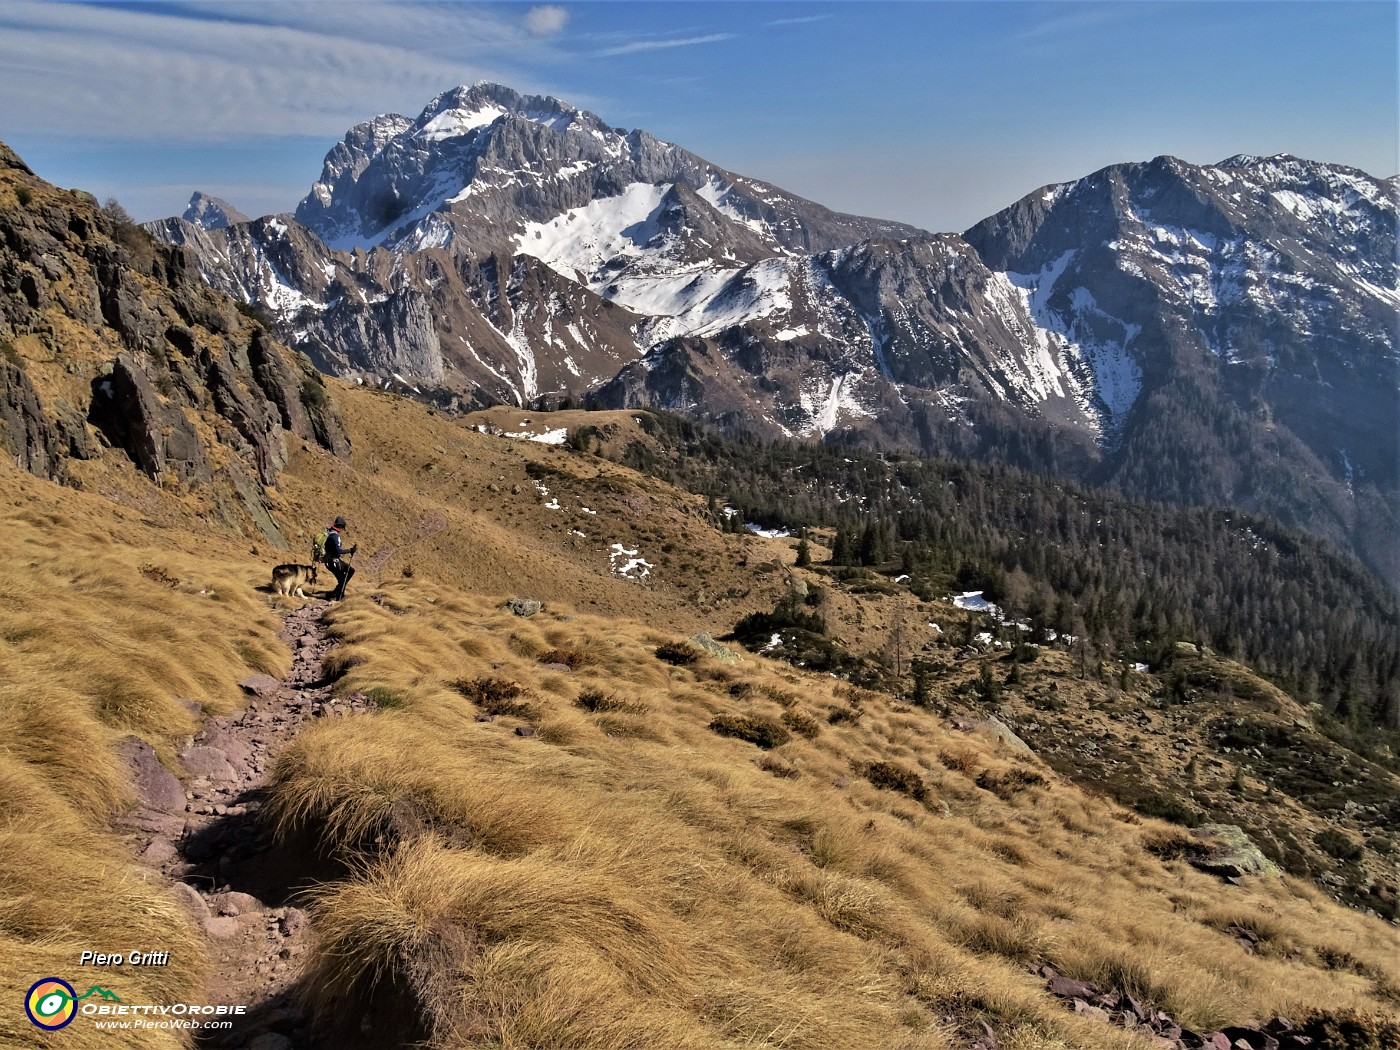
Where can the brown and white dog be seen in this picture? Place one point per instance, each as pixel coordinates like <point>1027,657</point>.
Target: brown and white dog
<point>290,579</point>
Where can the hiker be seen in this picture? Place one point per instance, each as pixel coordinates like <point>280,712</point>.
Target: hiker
<point>335,555</point>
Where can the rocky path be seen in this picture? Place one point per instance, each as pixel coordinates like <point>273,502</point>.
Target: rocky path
<point>206,837</point>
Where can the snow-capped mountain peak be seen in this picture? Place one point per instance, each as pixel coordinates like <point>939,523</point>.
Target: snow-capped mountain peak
<point>212,213</point>
<point>482,162</point>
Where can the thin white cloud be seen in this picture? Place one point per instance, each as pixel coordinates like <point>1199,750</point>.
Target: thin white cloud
<point>659,45</point>
<point>546,20</point>
<point>189,73</point>
<point>798,21</point>
<point>1075,20</point>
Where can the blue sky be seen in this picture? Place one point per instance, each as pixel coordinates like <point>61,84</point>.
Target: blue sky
<point>935,113</point>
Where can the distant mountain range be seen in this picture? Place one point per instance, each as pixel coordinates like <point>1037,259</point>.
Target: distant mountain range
<point>1223,334</point>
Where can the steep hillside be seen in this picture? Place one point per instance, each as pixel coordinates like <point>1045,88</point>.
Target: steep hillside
<point>117,637</point>
<point>605,840</point>
<point>114,349</point>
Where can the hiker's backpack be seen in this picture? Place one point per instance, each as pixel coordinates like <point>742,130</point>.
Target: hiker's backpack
<point>318,547</point>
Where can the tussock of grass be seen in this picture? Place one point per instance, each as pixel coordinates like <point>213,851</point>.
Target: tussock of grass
<point>1351,1030</point>
<point>573,659</point>
<point>1009,782</point>
<point>679,653</point>
<point>596,700</point>
<point>891,777</point>
<point>800,721</point>
<point>778,766</point>
<point>757,731</point>
<point>496,696</point>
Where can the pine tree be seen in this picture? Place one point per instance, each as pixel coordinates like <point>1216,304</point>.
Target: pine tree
<point>804,552</point>
<point>868,552</point>
<point>987,689</point>
<point>842,547</point>
<point>922,695</point>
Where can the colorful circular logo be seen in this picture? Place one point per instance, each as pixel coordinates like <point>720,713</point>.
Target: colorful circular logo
<point>51,1004</point>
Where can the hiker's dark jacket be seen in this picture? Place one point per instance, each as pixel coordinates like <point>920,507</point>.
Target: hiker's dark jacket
<point>334,551</point>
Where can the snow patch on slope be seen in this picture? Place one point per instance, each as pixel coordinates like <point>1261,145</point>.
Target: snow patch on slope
<point>451,123</point>
<point>578,242</point>
<point>827,402</point>
<point>613,245</point>
<point>1082,354</point>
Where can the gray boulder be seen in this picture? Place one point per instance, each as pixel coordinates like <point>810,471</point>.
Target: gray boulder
<point>155,786</point>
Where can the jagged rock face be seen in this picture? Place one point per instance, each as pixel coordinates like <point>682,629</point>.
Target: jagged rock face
<point>27,437</point>
<point>114,347</point>
<point>478,163</point>
<point>486,174</point>
<point>133,417</point>
<point>212,213</point>
<point>455,328</point>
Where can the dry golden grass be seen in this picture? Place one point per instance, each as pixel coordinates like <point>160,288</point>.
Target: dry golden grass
<point>621,876</point>
<point>102,631</point>
<point>630,878</point>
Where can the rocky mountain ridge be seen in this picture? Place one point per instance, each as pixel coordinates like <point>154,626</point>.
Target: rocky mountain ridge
<point>1233,321</point>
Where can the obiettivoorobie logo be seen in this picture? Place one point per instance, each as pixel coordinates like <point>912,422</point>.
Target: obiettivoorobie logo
<point>51,1003</point>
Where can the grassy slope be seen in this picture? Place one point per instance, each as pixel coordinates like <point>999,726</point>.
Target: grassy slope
<point>622,877</point>
<point>104,624</point>
<point>630,878</point>
<point>420,473</point>
<point>964,900</point>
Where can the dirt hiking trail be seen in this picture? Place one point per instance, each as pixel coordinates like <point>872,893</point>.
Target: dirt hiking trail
<point>206,837</point>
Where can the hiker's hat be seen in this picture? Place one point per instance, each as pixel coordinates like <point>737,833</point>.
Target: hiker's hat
<point>339,523</point>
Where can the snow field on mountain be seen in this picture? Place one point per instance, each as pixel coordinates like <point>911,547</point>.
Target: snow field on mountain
<point>451,123</point>
<point>826,401</point>
<point>719,195</point>
<point>756,292</point>
<point>1074,356</point>
<point>608,244</point>
<point>578,242</point>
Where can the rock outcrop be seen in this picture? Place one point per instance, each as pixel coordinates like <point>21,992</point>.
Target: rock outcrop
<point>112,345</point>
<point>24,432</point>
<point>212,213</point>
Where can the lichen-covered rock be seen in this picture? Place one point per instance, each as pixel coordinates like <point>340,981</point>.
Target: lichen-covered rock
<point>1230,853</point>
<point>1003,732</point>
<point>714,649</point>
